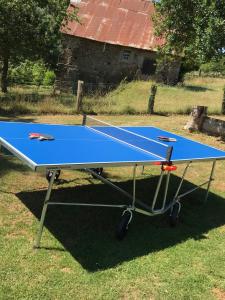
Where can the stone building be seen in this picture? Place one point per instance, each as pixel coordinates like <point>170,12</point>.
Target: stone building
<point>113,41</point>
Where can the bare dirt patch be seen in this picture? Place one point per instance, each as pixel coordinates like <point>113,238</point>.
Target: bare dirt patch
<point>219,294</point>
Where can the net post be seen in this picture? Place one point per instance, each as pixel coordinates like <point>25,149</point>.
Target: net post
<point>169,153</point>
<point>84,119</point>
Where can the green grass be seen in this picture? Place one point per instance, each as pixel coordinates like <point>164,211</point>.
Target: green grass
<point>133,97</point>
<point>80,257</point>
<point>128,98</point>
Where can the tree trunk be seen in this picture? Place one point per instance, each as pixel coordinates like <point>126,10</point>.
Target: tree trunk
<point>198,115</point>
<point>4,79</point>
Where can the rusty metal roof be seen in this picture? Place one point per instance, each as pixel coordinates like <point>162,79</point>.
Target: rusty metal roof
<point>120,22</point>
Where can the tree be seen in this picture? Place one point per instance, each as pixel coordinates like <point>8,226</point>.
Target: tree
<point>30,29</point>
<point>194,29</point>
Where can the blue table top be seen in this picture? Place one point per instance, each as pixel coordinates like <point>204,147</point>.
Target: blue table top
<point>184,149</point>
<point>81,147</point>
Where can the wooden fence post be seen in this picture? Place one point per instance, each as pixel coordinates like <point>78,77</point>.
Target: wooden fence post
<point>151,100</point>
<point>79,95</point>
<point>223,102</point>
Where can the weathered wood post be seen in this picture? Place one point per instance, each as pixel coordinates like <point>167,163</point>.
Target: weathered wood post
<point>79,95</point>
<point>198,115</point>
<point>151,100</point>
<point>223,102</point>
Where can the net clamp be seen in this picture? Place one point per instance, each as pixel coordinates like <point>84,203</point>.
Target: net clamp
<point>168,167</point>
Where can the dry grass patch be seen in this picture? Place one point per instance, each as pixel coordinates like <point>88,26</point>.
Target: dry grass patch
<point>219,294</point>
<point>51,106</point>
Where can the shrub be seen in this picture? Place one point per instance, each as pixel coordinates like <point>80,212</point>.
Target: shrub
<point>22,73</point>
<point>38,73</point>
<point>29,72</point>
<point>49,78</point>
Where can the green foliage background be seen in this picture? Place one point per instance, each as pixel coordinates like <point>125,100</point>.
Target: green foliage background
<point>194,29</point>
<point>30,29</point>
<point>29,72</point>
<point>216,67</point>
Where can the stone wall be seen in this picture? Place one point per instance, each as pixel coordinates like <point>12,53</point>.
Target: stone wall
<point>101,64</point>
<point>199,121</point>
<point>214,126</point>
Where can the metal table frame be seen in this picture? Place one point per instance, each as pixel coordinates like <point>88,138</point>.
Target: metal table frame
<point>136,204</point>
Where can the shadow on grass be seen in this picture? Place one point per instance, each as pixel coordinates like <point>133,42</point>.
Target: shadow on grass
<point>195,88</point>
<point>9,163</point>
<point>88,233</point>
<point>162,114</point>
<point>14,118</point>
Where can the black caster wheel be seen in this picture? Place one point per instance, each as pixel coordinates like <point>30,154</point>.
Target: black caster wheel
<point>98,171</point>
<point>50,173</point>
<point>122,227</point>
<point>174,214</point>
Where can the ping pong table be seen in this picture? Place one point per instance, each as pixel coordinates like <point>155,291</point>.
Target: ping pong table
<point>95,145</point>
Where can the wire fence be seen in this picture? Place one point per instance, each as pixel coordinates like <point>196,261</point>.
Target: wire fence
<point>64,92</point>
<point>89,88</point>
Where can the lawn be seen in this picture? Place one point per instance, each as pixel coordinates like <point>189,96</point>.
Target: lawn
<point>128,98</point>
<point>133,97</point>
<point>80,257</point>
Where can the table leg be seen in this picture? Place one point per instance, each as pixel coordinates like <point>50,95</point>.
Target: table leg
<point>210,180</point>
<point>44,210</point>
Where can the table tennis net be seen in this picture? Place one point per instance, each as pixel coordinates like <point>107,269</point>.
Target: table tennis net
<point>123,135</point>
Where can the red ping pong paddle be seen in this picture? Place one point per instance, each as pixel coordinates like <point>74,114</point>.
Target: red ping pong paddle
<point>41,136</point>
<point>34,135</point>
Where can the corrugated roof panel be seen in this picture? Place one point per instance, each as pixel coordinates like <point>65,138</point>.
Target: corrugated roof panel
<point>120,22</point>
